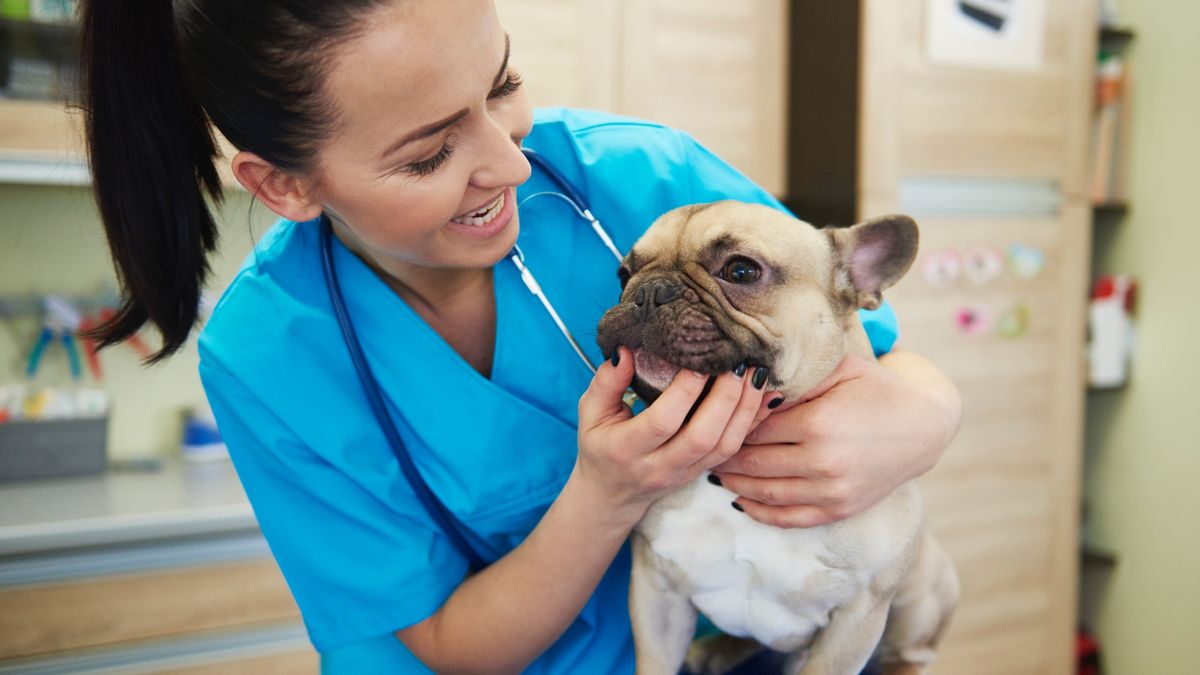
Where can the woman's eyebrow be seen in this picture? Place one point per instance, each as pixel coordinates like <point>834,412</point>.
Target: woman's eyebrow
<point>500,74</point>
<point>435,127</point>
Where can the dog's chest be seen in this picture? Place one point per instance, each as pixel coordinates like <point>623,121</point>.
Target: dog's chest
<point>750,579</point>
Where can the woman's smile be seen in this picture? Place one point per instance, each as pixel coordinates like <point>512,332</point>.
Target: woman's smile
<point>493,219</point>
<point>484,215</point>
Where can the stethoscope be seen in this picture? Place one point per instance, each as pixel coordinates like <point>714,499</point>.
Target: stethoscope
<point>570,195</point>
<point>436,509</point>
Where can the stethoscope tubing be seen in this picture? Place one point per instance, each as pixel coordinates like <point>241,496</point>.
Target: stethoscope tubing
<point>429,501</point>
<point>569,194</point>
<point>433,506</point>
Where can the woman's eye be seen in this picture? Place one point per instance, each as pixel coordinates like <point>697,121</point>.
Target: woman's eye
<point>510,85</point>
<point>740,271</point>
<point>428,166</point>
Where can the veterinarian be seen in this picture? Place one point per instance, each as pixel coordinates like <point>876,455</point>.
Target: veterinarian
<point>388,136</point>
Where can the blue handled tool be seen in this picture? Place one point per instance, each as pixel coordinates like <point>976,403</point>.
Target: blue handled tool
<point>59,323</point>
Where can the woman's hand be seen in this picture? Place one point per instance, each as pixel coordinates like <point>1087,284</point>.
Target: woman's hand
<point>627,462</point>
<point>857,437</point>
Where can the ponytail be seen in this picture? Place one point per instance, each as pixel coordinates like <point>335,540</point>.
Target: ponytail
<point>151,154</point>
<point>156,73</point>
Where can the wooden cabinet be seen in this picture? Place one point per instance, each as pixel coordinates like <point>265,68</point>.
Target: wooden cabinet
<point>236,616</point>
<point>715,69</point>
<point>991,163</point>
<point>109,610</point>
<point>566,50</point>
<point>1004,500</point>
<point>924,118</point>
<point>142,571</point>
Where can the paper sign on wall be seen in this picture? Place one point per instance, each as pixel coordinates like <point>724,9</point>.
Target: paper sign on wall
<point>1005,34</point>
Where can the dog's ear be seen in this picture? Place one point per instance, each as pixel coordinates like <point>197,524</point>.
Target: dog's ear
<point>871,256</point>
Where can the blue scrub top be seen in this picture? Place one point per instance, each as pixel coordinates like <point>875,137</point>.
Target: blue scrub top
<point>358,552</point>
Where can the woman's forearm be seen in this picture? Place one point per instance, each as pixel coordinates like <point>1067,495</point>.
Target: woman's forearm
<point>501,619</point>
<point>946,410</point>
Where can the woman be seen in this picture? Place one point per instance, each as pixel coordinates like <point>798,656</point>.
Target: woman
<point>399,125</point>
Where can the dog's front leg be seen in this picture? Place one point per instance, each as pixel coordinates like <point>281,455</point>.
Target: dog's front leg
<point>664,619</point>
<point>845,645</point>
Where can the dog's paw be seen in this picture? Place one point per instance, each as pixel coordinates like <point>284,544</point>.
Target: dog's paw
<point>719,654</point>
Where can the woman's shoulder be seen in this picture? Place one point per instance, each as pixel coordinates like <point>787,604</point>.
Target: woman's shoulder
<point>633,170</point>
<point>275,288</point>
<point>590,135</point>
<point>582,121</point>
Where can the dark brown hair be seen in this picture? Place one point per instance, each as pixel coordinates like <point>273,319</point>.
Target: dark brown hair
<point>155,74</point>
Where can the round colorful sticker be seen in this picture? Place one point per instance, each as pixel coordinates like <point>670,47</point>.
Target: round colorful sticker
<point>1025,262</point>
<point>1015,322</point>
<point>982,265</point>
<point>975,320</point>
<point>942,268</point>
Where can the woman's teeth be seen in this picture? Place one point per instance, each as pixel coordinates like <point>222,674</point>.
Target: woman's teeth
<point>484,216</point>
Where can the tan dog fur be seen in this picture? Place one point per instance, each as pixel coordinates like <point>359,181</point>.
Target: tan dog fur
<point>833,595</point>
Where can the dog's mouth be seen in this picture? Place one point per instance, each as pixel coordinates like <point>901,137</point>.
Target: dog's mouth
<point>655,371</point>
<point>672,333</point>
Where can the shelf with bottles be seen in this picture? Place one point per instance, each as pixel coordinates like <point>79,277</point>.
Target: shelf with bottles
<point>39,49</point>
<point>1111,141</point>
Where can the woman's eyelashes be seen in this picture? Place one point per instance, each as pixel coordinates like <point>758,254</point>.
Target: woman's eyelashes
<point>427,166</point>
<point>510,86</point>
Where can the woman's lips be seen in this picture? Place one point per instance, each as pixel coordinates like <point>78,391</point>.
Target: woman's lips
<point>484,215</point>
<point>495,217</point>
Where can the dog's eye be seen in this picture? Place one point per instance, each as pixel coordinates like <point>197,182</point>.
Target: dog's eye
<point>740,271</point>
<point>623,277</point>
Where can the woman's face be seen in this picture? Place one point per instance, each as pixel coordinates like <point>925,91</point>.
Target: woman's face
<point>423,166</point>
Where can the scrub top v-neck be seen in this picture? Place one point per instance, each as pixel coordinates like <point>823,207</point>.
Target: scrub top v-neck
<point>359,554</point>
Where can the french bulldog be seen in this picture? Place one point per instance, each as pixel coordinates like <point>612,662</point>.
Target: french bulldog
<point>712,286</point>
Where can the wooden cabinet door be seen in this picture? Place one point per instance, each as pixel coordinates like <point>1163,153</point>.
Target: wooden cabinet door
<point>73,615</point>
<point>565,50</point>
<point>925,118</point>
<point>1004,500</point>
<point>713,68</point>
<point>39,128</point>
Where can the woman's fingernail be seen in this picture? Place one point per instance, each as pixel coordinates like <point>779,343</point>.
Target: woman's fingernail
<point>760,378</point>
<point>740,369</point>
<point>737,506</point>
<point>616,357</point>
<point>712,478</point>
<point>776,403</point>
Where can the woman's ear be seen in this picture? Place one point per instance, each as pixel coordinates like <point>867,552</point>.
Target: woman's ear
<point>285,194</point>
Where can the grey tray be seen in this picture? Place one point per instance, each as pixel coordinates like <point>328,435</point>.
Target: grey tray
<point>54,448</point>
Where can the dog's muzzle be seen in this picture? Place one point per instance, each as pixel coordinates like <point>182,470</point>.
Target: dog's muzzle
<point>654,294</point>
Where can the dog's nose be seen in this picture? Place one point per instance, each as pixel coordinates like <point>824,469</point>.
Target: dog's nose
<point>654,294</point>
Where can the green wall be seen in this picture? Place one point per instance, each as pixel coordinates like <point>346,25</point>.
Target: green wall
<point>51,241</point>
<point>1143,450</point>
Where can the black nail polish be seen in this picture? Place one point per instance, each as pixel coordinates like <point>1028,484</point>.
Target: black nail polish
<point>776,403</point>
<point>712,478</point>
<point>740,369</point>
<point>760,378</point>
<point>616,357</point>
<point>737,506</point>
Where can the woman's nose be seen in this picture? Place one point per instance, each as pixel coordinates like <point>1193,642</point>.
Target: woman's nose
<point>501,161</point>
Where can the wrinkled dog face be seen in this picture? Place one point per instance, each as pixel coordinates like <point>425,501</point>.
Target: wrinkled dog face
<point>710,286</point>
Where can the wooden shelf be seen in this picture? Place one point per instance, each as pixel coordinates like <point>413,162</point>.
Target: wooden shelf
<point>1091,555</point>
<point>1112,34</point>
<point>43,169</point>
<point>24,26</point>
<point>1111,208</point>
